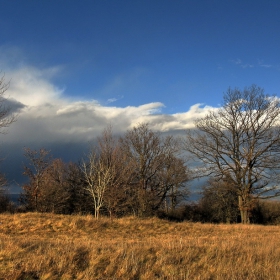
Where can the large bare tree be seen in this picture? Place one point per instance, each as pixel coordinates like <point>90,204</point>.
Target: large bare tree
<point>240,143</point>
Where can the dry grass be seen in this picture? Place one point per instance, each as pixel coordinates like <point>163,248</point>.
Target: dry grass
<point>45,246</point>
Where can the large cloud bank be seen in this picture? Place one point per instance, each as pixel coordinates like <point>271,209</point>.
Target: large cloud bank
<point>47,115</point>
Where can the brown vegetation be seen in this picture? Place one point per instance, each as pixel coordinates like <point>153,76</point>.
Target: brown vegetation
<point>49,246</point>
<point>141,173</point>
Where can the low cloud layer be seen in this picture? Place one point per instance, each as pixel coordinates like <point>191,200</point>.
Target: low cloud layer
<point>47,117</point>
<point>47,114</point>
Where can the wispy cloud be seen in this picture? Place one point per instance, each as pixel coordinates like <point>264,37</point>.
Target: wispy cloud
<point>112,100</point>
<point>247,65</point>
<point>237,61</point>
<point>259,63</point>
<point>266,65</point>
<point>240,63</point>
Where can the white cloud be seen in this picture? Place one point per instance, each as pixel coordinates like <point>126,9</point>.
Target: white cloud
<point>47,115</point>
<point>30,86</point>
<point>48,118</point>
<point>178,121</point>
<point>111,100</point>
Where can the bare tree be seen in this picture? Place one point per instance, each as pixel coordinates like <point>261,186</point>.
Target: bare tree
<point>39,162</point>
<point>154,158</point>
<point>54,190</point>
<point>6,117</point>
<point>79,199</point>
<point>98,176</point>
<point>174,176</point>
<point>117,196</point>
<point>219,202</point>
<point>5,202</point>
<point>241,142</point>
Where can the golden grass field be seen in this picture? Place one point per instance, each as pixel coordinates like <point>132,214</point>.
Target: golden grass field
<point>46,246</point>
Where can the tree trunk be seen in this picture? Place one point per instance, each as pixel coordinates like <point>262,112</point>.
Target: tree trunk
<point>142,202</point>
<point>244,211</point>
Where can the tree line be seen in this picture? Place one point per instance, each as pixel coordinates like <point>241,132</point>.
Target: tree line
<point>145,173</point>
<point>139,173</point>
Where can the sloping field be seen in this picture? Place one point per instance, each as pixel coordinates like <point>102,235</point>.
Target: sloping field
<point>46,246</point>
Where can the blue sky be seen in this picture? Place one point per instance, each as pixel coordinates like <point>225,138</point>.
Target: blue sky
<point>76,66</point>
<point>135,52</point>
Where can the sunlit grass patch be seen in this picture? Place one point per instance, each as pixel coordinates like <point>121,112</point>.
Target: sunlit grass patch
<point>46,246</point>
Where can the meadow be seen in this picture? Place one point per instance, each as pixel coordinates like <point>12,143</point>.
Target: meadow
<point>47,246</point>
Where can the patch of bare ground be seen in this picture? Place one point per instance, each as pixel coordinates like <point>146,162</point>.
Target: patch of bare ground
<point>46,246</point>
